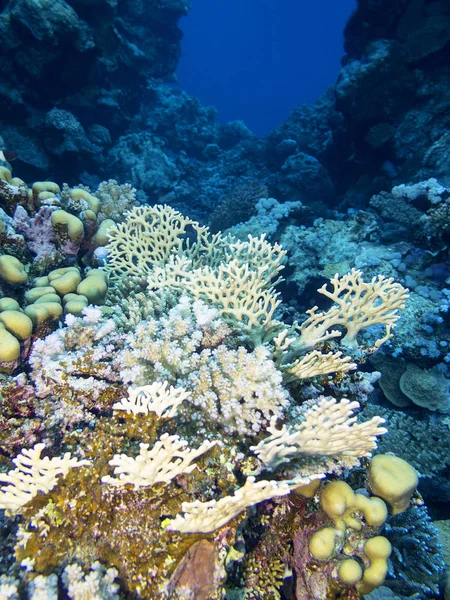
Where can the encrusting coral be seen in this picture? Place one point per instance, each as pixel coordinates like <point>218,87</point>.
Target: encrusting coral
<point>212,373</point>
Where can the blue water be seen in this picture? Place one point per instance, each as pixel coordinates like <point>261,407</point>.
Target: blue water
<point>256,60</point>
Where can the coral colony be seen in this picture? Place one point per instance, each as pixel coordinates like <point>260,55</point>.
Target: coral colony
<point>240,410</point>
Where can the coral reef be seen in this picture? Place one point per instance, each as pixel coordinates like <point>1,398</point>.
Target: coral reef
<point>212,392</point>
<point>190,411</point>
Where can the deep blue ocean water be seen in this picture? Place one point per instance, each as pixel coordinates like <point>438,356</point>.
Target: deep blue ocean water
<point>256,60</point>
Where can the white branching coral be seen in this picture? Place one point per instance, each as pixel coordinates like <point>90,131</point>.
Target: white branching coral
<point>357,304</point>
<point>163,349</point>
<point>239,389</point>
<point>157,397</point>
<point>236,388</point>
<point>204,517</point>
<point>115,199</point>
<point>91,314</point>
<point>33,475</point>
<point>169,457</point>
<point>328,429</point>
<point>9,586</point>
<point>62,360</point>
<point>44,587</point>
<point>98,584</point>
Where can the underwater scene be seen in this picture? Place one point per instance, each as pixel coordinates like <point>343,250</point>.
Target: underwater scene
<point>224,342</point>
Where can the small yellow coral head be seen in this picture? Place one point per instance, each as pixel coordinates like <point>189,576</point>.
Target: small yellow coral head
<point>9,346</point>
<point>72,223</point>
<point>37,313</point>
<point>64,280</point>
<point>394,480</point>
<point>322,543</point>
<point>17,323</point>
<point>8,304</point>
<point>94,287</point>
<point>377,550</point>
<point>12,270</point>
<point>308,490</point>
<point>335,498</point>
<point>349,572</point>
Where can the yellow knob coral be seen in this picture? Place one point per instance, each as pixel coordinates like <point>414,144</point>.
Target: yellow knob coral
<point>61,271</point>
<point>37,313</point>
<point>80,194</point>
<point>17,181</point>
<point>89,217</point>
<point>36,292</point>
<point>349,572</point>
<point>44,311</point>
<point>340,502</point>
<point>45,186</point>
<point>9,304</point>
<point>12,270</point>
<point>54,308</point>
<point>374,509</point>
<point>65,280</point>
<point>17,323</point>
<point>71,296</point>
<point>101,238</point>
<point>48,298</point>
<point>377,549</point>
<point>47,198</point>
<point>5,173</point>
<point>309,490</point>
<point>75,305</point>
<point>41,282</point>
<point>9,346</point>
<point>322,543</point>
<point>394,480</point>
<point>335,499</point>
<point>74,226</point>
<point>94,287</point>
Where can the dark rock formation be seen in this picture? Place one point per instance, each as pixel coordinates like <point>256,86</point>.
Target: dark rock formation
<point>73,73</point>
<point>393,90</point>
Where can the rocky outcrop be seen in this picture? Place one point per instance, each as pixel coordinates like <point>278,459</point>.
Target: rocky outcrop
<point>72,73</point>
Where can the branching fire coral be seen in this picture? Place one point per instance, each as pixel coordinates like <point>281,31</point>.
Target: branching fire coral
<point>33,475</point>
<point>157,397</point>
<point>168,458</point>
<point>357,304</point>
<point>150,236</point>
<point>328,428</point>
<point>204,517</point>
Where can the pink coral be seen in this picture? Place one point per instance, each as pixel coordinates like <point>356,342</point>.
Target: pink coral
<point>37,230</point>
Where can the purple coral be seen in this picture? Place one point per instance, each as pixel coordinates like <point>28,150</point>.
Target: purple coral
<point>37,230</point>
